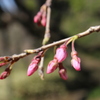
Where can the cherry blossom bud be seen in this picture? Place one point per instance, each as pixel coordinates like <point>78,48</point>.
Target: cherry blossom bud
<point>62,72</point>
<point>5,74</point>
<point>52,66</point>
<point>36,19</point>
<point>61,53</point>
<point>43,22</point>
<point>75,62</point>
<point>2,64</point>
<point>33,65</point>
<point>44,18</point>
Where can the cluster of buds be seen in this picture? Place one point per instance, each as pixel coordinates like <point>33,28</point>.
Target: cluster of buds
<point>60,56</point>
<point>37,62</point>
<point>57,62</point>
<point>41,17</point>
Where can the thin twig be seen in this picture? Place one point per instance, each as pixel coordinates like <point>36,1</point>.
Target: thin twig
<point>16,57</point>
<point>47,29</point>
<point>82,34</point>
<point>48,4</point>
<point>48,20</point>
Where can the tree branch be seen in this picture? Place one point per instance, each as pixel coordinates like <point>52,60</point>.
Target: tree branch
<point>16,57</point>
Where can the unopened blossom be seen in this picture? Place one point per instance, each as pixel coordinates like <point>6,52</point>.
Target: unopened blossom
<point>38,17</point>
<point>33,66</point>
<point>61,53</point>
<point>62,72</point>
<point>43,22</point>
<point>2,64</point>
<point>2,61</point>
<point>52,66</point>
<point>6,73</point>
<point>75,62</point>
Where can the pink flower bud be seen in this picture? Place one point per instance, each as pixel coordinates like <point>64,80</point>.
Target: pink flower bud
<point>75,62</point>
<point>36,19</point>
<point>2,64</point>
<point>33,66</point>
<point>62,72</point>
<point>52,66</point>
<point>43,22</point>
<point>61,53</point>
<point>5,74</point>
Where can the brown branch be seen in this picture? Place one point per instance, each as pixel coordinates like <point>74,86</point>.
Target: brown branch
<point>82,34</point>
<point>16,57</point>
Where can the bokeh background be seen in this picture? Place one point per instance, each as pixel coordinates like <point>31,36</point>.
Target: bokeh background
<point>18,32</point>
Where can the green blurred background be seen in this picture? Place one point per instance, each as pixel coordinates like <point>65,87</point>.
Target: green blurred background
<point>18,32</point>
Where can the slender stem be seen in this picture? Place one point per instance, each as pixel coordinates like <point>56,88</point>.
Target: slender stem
<point>89,31</point>
<point>85,33</point>
<point>48,20</point>
<point>73,47</point>
<point>41,69</point>
<point>48,4</point>
<point>47,29</point>
<point>45,47</point>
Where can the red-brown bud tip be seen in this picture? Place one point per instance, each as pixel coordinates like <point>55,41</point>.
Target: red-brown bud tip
<point>4,75</point>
